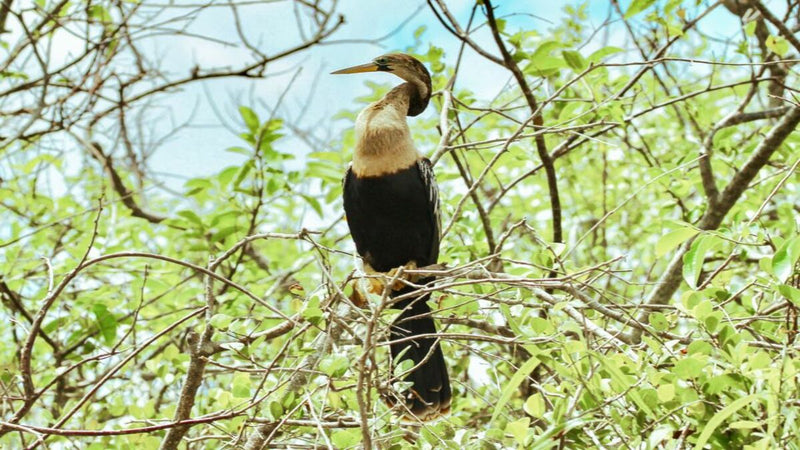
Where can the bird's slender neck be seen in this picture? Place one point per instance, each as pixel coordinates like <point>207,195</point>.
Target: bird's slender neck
<point>413,96</point>
<point>418,94</point>
<point>383,140</point>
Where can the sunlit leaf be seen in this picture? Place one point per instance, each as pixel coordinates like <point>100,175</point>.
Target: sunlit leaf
<point>673,239</point>
<point>637,6</point>
<point>513,384</point>
<point>574,60</point>
<point>250,118</point>
<point>106,322</point>
<point>720,417</point>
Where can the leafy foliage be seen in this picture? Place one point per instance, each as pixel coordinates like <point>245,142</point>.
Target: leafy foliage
<point>549,344</point>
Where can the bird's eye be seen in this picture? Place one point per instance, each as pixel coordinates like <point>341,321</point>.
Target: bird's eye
<point>381,61</point>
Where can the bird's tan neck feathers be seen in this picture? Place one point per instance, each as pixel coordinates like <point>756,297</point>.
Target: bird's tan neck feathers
<point>383,140</point>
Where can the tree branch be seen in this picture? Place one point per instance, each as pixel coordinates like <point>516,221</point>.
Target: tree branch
<point>671,278</point>
<point>541,146</point>
<point>119,187</point>
<point>200,347</point>
<point>778,23</point>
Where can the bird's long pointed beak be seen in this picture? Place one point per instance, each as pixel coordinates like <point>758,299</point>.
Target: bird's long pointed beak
<point>369,67</point>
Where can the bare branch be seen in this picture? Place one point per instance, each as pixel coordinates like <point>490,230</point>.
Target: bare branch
<point>778,23</point>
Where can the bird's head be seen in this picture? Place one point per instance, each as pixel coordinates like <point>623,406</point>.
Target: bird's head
<point>404,66</point>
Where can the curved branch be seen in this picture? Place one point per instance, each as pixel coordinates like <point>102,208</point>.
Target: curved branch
<point>541,146</point>
<point>712,219</point>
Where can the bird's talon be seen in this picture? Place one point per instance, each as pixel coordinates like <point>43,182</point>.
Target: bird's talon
<point>375,286</point>
<point>357,298</point>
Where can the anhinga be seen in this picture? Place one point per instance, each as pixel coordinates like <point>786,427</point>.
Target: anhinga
<point>392,206</point>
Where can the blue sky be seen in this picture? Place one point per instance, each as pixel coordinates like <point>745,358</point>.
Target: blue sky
<point>200,150</point>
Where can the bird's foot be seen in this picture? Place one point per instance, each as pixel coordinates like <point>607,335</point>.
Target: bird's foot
<point>375,285</point>
<point>399,284</point>
<point>363,287</point>
<point>357,297</point>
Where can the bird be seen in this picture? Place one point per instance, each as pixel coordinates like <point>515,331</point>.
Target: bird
<point>391,203</point>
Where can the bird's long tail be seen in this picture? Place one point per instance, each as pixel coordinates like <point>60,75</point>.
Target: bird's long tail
<point>429,396</point>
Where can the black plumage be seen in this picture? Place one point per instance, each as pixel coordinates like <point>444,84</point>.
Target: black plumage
<point>394,218</point>
<point>392,206</point>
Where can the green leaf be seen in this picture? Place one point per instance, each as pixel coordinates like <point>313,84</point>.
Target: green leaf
<point>221,321</point>
<point>314,203</point>
<point>171,352</point>
<point>574,60</point>
<point>671,5</point>
<point>545,48</point>
<point>55,324</point>
<point>659,321</point>
<point>666,392</point>
<point>778,45</point>
<point>197,183</point>
<point>223,233</point>
<point>402,368</point>
<point>512,385</point>
<point>700,348</point>
<point>702,309</point>
<point>759,360</point>
<point>241,385</point>
<point>346,438</point>
<point>544,66</point>
<point>535,405</point>
<point>689,367</point>
<point>791,293</point>
<point>785,257</point>
<point>501,25</point>
<point>693,259</point>
<point>239,150</point>
<point>570,111</point>
<point>638,6</point>
<point>250,118</point>
<point>623,382</point>
<point>519,429</point>
<point>106,322</point>
<point>224,218</point>
<point>226,175</point>
<point>598,55</point>
<point>511,319</point>
<point>311,310</point>
<point>243,171</point>
<point>276,410</point>
<point>541,326</point>
<point>724,138</point>
<point>99,13</point>
<point>750,28</point>
<point>191,216</point>
<point>720,417</point>
<point>336,366</point>
<point>712,321</point>
<point>744,425</point>
<point>673,239</point>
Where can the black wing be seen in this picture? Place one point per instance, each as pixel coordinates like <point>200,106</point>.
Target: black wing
<point>394,218</point>
<point>429,180</point>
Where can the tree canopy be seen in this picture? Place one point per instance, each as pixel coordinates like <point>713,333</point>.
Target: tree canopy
<point>620,255</point>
